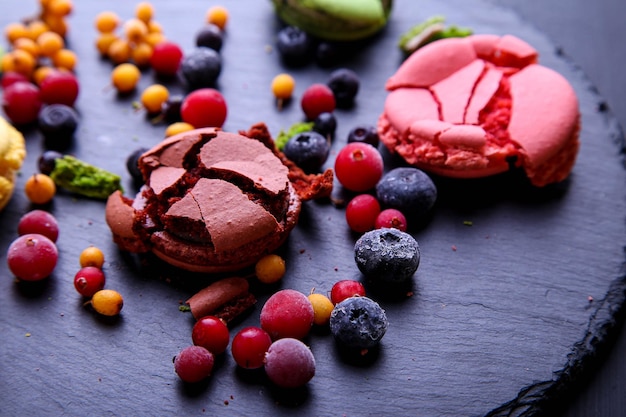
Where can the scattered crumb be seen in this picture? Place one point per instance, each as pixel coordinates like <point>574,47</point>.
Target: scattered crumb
<point>468,222</point>
<point>27,334</point>
<point>409,294</point>
<point>590,299</point>
<point>454,248</point>
<point>225,402</point>
<point>302,251</point>
<point>336,269</point>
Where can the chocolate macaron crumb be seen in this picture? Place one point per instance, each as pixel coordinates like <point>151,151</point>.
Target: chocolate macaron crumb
<point>225,299</point>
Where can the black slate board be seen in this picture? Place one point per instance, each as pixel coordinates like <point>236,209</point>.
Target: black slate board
<point>501,325</point>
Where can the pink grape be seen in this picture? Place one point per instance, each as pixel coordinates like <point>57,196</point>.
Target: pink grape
<point>289,363</point>
<point>32,257</point>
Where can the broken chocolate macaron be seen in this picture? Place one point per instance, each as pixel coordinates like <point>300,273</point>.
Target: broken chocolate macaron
<point>213,201</point>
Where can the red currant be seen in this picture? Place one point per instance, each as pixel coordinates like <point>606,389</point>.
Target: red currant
<point>345,289</point>
<point>10,77</point>
<point>89,280</point>
<point>193,364</point>
<point>205,107</point>
<point>287,313</point>
<point>166,58</point>
<point>391,218</point>
<point>359,166</point>
<point>59,87</point>
<point>249,347</point>
<point>32,257</point>
<point>41,222</point>
<point>361,212</point>
<point>211,333</point>
<point>317,99</point>
<point>21,102</point>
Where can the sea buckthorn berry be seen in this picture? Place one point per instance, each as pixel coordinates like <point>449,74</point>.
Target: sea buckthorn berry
<point>249,347</point>
<point>119,51</point>
<point>391,218</point>
<point>217,15</point>
<point>283,86</point>
<point>50,43</point>
<point>91,256</point>
<point>177,127</point>
<point>32,257</point>
<point>154,38</point>
<point>270,269</point>
<point>141,54</point>
<point>104,41</point>
<point>346,288</point>
<point>65,59</point>
<point>154,27</point>
<point>40,189</point>
<point>14,31</point>
<point>125,77</point>
<point>21,61</point>
<point>211,333</point>
<point>107,22</point>
<point>361,213</point>
<point>41,72</point>
<point>322,307</point>
<point>57,24</point>
<point>193,364</point>
<point>135,30</point>
<point>107,302</point>
<point>358,166</point>
<point>144,11</point>
<point>27,45</point>
<point>36,28</point>
<point>89,280</point>
<point>60,7</point>
<point>287,313</point>
<point>153,97</point>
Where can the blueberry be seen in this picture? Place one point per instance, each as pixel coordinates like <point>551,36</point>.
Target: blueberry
<point>132,164</point>
<point>387,255</point>
<point>201,67</point>
<point>308,150</point>
<point>58,123</point>
<point>365,134</point>
<point>326,54</point>
<point>325,124</point>
<point>294,45</point>
<point>345,85</point>
<point>407,189</point>
<point>358,322</point>
<point>210,36</point>
<point>47,161</point>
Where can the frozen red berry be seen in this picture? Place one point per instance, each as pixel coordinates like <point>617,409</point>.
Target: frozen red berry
<point>205,107</point>
<point>194,363</point>
<point>287,313</point>
<point>289,363</point>
<point>317,99</point>
<point>166,58</point>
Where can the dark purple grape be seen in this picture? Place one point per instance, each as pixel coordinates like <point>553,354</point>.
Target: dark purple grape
<point>47,161</point>
<point>289,363</point>
<point>171,108</point>
<point>201,67</point>
<point>345,85</point>
<point>366,134</point>
<point>325,124</point>
<point>132,164</point>
<point>58,123</point>
<point>294,45</point>
<point>326,54</point>
<point>210,36</point>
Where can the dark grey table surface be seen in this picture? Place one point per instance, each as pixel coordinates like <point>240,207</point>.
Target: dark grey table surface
<point>588,34</point>
<point>592,34</point>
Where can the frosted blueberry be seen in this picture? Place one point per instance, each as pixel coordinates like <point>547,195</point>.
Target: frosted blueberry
<point>387,254</point>
<point>358,322</point>
<point>407,189</point>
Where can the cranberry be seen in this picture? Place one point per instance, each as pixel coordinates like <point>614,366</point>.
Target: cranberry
<point>359,166</point>
<point>345,289</point>
<point>211,333</point>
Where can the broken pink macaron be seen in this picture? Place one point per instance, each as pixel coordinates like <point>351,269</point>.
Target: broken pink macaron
<point>468,107</point>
